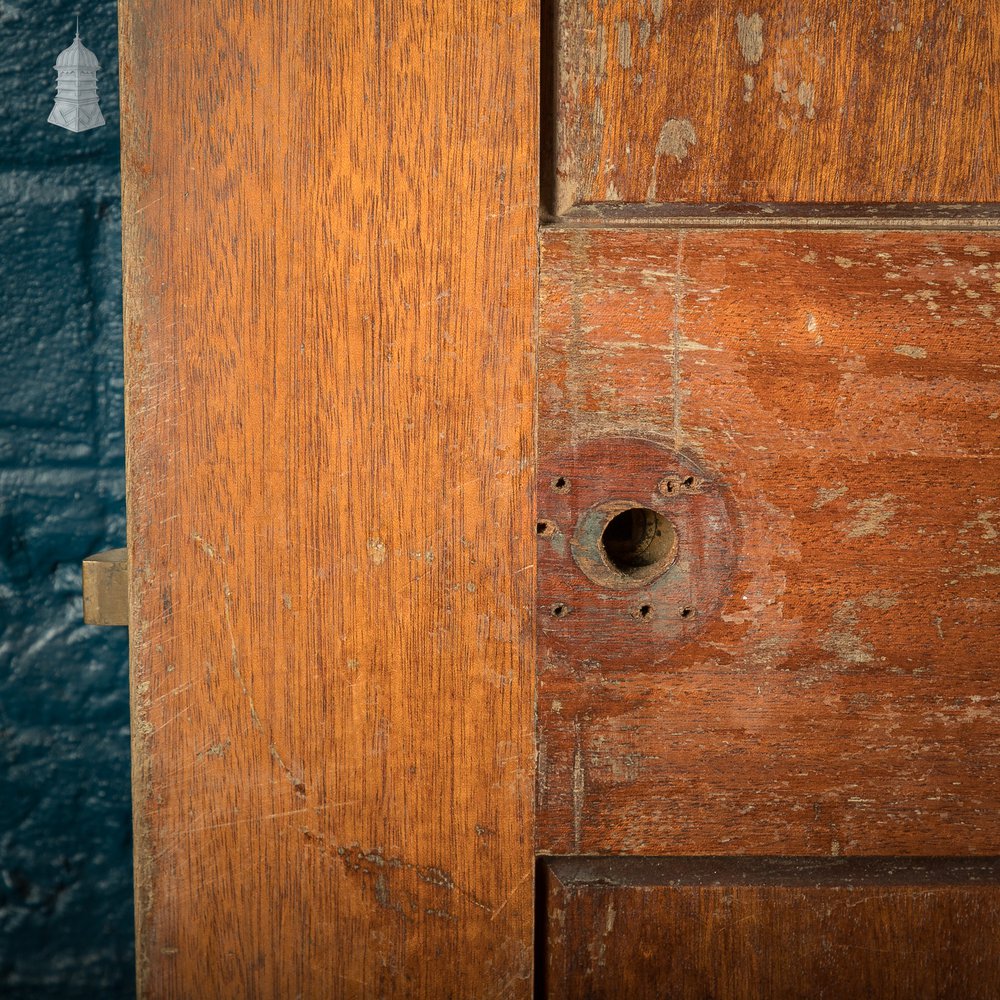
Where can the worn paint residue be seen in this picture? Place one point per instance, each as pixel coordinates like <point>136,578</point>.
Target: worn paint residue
<point>600,56</point>
<point>624,45</point>
<point>984,522</point>
<point>750,35</point>
<point>872,516</point>
<point>826,495</point>
<point>907,350</point>
<point>780,86</point>
<point>883,600</point>
<point>579,784</point>
<point>842,639</point>
<point>675,137</point>
<point>807,98</point>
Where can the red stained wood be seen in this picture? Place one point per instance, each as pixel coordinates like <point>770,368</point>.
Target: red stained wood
<point>838,694</point>
<point>779,100</point>
<point>741,929</point>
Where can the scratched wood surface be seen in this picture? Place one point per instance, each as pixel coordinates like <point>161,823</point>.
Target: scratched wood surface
<point>779,100</point>
<point>834,690</point>
<point>329,289</point>
<point>747,928</point>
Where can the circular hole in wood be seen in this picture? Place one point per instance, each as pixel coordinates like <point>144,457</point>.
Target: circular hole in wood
<point>624,545</point>
<point>560,611</point>
<point>639,543</point>
<point>560,484</point>
<point>544,528</point>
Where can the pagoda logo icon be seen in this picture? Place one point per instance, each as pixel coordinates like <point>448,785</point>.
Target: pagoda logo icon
<point>77,107</point>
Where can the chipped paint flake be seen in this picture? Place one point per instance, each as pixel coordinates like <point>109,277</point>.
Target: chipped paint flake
<point>807,98</point>
<point>675,137</point>
<point>686,344</point>
<point>883,600</point>
<point>985,523</point>
<point>909,351</point>
<point>827,495</point>
<point>872,516</point>
<point>579,785</point>
<point>750,36</point>
<point>624,45</point>
<point>842,639</point>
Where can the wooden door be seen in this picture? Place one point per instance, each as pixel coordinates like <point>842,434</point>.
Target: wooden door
<point>769,712</point>
<point>595,609</point>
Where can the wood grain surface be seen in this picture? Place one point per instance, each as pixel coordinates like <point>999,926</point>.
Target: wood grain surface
<point>742,929</point>
<point>330,272</point>
<point>778,100</point>
<point>834,689</point>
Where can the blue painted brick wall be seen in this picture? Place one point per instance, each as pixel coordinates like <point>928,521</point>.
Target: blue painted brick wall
<point>65,829</point>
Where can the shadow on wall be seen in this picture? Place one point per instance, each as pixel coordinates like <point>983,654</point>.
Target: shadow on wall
<point>65,828</point>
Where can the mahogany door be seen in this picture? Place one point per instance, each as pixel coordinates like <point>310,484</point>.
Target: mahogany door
<point>563,498</point>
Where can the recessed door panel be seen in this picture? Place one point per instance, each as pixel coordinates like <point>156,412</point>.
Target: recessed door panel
<point>811,420</point>
<point>776,101</point>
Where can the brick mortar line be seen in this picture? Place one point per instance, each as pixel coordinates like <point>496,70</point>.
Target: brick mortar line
<point>60,183</point>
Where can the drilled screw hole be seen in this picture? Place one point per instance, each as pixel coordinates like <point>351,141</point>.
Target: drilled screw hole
<point>639,542</point>
<point>560,484</point>
<point>560,611</point>
<point>687,612</point>
<point>544,528</point>
<point>645,610</point>
<point>672,485</point>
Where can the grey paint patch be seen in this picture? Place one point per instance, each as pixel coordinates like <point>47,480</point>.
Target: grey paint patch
<point>807,98</point>
<point>675,137</point>
<point>881,599</point>
<point>843,641</point>
<point>872,516</point>
<point>624,44</point>
<point>781,86</point>
<point>601,54</point>
<point>825,496</point>
<point>750,35</point>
